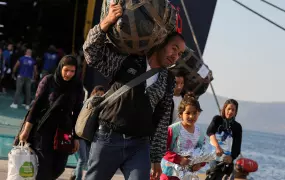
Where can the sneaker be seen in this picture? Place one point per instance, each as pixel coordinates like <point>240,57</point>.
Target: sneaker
<point>3,91</point>
<point>14,106</point>
<point>27,107</point>
<point>72,177</point>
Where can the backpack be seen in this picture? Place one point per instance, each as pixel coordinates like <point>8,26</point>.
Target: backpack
<point>88,119</point>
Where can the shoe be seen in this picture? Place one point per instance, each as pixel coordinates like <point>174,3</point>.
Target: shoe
<point>72,177</point>
<point>27,107</point>
<point>14,106</point>
<point>3,91</point>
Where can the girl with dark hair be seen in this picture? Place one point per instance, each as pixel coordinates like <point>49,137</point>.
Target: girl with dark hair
<point>49,125</point>
<point>226,130</point>
<point>183,137</point>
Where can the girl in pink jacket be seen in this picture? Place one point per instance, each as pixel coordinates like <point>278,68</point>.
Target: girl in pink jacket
<point>183,138</point>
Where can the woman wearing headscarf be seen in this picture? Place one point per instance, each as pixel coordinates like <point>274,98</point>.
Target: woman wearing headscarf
<point>49,125</point>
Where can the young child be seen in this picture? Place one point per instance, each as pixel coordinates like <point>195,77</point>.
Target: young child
<point>225,135</point>
<point>84,146</point>
<point>98,91</point>
<point>242,168</point>
<point>183,137</point>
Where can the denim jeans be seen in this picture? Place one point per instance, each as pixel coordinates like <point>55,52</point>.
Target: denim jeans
<point>83,154</point>
<point>111,151</point>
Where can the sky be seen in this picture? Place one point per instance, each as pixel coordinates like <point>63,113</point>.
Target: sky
<point>246,53</point>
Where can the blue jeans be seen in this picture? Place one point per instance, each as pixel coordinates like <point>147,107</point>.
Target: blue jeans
<point>83,154</point>
<point>111,151</point>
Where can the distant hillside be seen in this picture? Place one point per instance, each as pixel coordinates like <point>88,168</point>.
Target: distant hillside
<point>264,117</point>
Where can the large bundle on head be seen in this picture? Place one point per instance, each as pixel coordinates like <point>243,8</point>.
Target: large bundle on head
<point>197,74</point>
<point>143,25</point>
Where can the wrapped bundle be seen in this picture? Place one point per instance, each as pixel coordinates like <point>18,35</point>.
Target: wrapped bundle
<point>197,74</point>
<point>206,153</point>
<point>143,25</point>
<point>203,154</point>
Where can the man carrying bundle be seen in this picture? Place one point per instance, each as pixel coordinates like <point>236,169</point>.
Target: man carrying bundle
<point>126,125</point>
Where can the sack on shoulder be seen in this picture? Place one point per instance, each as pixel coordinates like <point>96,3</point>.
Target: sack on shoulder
<point>87,121</point>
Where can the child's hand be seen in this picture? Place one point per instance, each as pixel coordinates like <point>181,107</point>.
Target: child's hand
<point>219,151</point>
<point>228,159</point>
<point>197,167</point>
<point>184,161</point>
<point>155,171</point>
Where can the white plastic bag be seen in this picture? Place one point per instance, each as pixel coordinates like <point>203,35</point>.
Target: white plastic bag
<point>225,141</point>
<point>22,163</point>
<point>198,155</point>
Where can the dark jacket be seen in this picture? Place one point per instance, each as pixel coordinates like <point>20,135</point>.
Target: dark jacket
<point>2,66</point>
<point>63,114</point>
<point>236,130</point>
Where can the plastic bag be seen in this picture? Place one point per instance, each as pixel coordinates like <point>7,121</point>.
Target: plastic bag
<point>225,141</point>
<point>203,154</point>
<point>22,163</point>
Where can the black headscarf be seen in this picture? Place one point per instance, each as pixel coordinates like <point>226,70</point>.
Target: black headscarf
<point>60,84</point>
